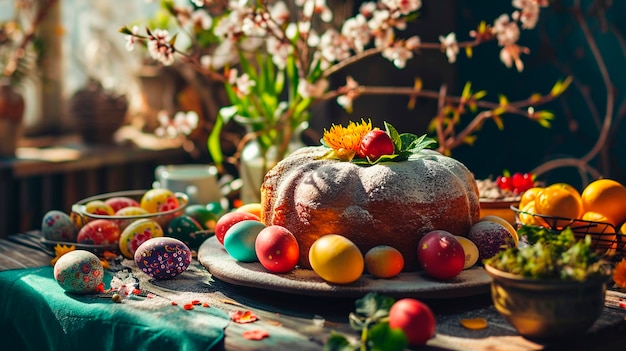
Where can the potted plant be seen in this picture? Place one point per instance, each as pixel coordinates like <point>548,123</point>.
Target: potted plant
<point>275,63</point>
<point>551,289</point>
<point>18,59</point>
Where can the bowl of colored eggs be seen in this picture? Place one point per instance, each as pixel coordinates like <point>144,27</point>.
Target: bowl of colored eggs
<point>114,221</point>
<point>124,207</point>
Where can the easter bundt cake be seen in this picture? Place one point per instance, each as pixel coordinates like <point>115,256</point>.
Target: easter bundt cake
<point>392,201</point>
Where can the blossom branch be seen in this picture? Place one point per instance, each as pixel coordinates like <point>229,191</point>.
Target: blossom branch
<point>18,54</point>
<point>582,163</point>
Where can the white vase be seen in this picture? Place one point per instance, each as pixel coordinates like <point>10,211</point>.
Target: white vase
<point>253,165</point>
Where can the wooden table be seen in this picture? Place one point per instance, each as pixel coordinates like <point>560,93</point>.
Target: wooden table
<point>298,322</point>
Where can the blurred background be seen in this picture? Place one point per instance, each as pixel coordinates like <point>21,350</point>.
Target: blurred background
<point>87,94</point>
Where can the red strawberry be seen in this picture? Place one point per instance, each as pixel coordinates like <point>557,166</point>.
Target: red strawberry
<point>375,144</point>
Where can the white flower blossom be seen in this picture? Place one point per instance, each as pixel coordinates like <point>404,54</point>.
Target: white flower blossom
<point>367,9</point>
<point>507,31</point>
<point>356,30</point>
<point>308,90</point>
<point>279,51</point>
<point>131,39</point>
<point>511,54</point>
<point>279,12</point>
<point>404,7</point>
<point>450,45</point>
<point>159,47</point>
<point>398,54</point>
<point>345,100</point>
<point>412,43</point>
<point>529,12</point>
<point>182,124</point>
<point>243,84</point>
<point>202,19</point>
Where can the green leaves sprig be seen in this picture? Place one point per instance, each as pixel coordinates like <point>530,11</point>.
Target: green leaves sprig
<point>405,146</point>
<point>371,320</point>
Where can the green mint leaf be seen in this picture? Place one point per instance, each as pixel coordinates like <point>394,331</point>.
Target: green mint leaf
<point>372,302</point>
<point>394,135</point>
<point>383,338</point>
<point>420,143</point>
<point>337,342</point>
<point>407,140</point>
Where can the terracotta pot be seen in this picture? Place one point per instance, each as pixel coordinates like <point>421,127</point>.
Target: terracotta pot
<point>11,117</point>
<point>548,310</point>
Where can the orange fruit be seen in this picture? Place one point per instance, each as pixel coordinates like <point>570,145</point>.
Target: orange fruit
<point>529,195</point>
<point>509,227</point>
<point>601,232</point>
<point>607,197</point>
<point>526,214</point>
<point>560,200</point>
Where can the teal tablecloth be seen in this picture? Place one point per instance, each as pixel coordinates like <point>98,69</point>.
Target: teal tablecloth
<point>37,314</point>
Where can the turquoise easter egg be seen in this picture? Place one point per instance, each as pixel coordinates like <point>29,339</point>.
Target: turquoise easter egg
<point>240,239</point>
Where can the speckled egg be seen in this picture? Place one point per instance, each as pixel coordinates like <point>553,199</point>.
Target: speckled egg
<point>163,258</point>
<point>99,232</point>
<point>136,234</point>
<point>79,271</point>
<point>58,226</point>
<point>159,200</point>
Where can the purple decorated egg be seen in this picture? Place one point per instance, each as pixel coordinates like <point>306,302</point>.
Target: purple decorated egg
<point>79,271</point>
<point>163,257</point>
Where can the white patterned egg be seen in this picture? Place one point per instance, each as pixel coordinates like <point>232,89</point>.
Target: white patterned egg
<point>79,271</point>
<point>58,226</point>
<point>163,257</point>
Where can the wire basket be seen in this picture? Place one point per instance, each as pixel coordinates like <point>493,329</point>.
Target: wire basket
<point>606,240</point>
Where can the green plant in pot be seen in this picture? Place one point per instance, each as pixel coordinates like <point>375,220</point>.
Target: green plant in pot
<point>552,289</point>
<point>20,52</point>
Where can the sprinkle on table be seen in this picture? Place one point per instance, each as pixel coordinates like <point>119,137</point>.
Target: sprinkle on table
<point>243,317</point>
<point>474,323</point>
<point>255,334</point>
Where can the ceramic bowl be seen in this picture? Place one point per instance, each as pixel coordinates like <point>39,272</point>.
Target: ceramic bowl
<point>499,208</point>
<point>163,218</point>
<point>546,310</point>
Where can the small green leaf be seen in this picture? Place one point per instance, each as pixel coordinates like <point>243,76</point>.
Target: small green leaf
<point>497,119</point>
<point>338,342</point>
<point>125,30</point>
<point>372,302</point>
<point>467,91</point>
<point>172,41</point>
<point>214,141</point>
<point>420,143</point>
<point>479,95</point>
<point>395,137</point>
<point>383,338</point>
